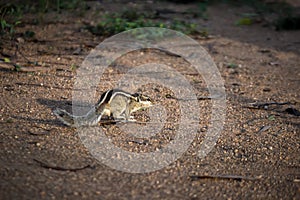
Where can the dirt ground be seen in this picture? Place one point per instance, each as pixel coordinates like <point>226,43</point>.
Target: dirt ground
<point>256,155</point>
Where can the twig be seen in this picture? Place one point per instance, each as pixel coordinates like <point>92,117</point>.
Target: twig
<point>48,166</point>
<point>38,134</point>
<point>224,177</point>
<point>18,51</point>
<point>263,128</point>
<point>19,67</point>
<point>192,99</point>
<point>140,122</point>
<point>265,105</point>
<point>169,53</point>
<point>293,111</point>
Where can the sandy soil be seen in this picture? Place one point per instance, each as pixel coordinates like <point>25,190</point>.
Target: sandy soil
<point>256,155</point>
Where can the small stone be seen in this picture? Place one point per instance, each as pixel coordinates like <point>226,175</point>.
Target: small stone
<point>266,89</point>
<point>203,129</point>
<point>20,40</point>
<point>77,51</point>
<point>232,71</point>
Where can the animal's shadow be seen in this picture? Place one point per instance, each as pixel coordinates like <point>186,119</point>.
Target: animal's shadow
<point>52,104</point>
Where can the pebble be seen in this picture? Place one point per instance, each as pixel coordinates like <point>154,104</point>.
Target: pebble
<point>20,40</point>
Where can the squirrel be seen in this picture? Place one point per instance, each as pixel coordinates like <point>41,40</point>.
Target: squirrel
<point>112,103</point>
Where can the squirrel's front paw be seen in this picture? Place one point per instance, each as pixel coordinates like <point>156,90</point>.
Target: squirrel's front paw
<point>131,119</point>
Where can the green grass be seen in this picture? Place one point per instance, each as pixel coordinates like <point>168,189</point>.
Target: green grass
<point>286,19</point>
<point>114,23</point>
<point>11,13</point>
<point>44,6</point>
<point>10,17</point>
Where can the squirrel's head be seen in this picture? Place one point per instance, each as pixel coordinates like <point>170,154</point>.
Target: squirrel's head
<point>142,100</point>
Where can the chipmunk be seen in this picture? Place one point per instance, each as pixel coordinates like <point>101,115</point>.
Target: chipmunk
<point>112,103</point>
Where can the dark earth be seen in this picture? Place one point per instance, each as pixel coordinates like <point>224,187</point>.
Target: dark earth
<point>255,157</point>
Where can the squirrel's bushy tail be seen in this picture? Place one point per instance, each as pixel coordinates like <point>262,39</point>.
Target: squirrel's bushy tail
<point>76,121</point>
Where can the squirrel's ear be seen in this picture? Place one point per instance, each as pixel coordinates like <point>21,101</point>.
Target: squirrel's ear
<point>136,96</point>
